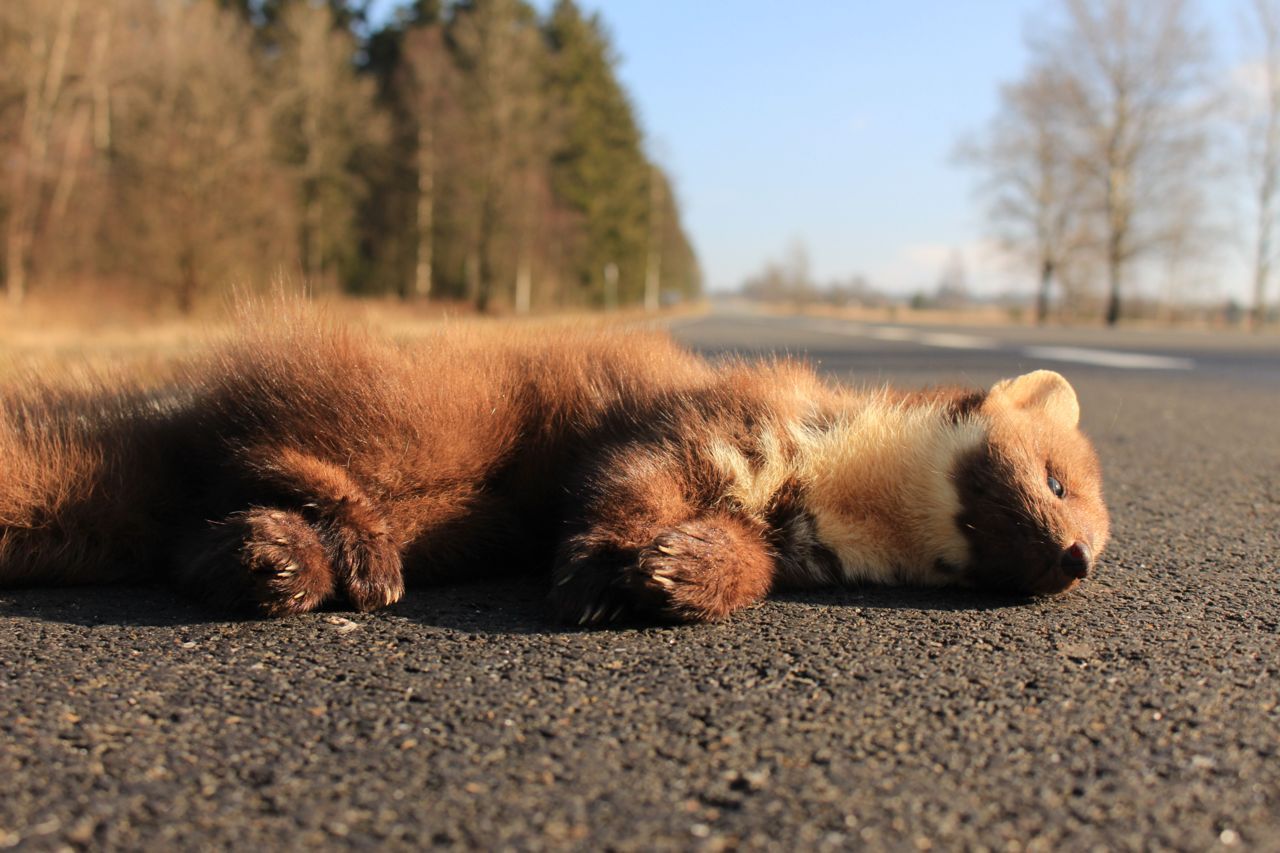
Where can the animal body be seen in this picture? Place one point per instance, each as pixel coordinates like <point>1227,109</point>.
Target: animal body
<point>316,464</point>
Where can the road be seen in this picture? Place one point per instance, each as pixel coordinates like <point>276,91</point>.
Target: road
<point>1141,711</point>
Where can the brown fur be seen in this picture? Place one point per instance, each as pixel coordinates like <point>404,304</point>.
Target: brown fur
<point>310,464</point>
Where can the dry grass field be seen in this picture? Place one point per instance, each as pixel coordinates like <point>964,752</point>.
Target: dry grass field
<point>69,337</point>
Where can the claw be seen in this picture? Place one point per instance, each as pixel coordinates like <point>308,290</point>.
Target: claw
<point>670,552</point>
<point>667,583</point>
<point>592,615</point>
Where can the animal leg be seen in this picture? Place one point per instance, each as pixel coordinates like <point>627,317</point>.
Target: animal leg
<point>324,539</point>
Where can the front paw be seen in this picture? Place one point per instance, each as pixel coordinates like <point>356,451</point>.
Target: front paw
<point>699,571</point>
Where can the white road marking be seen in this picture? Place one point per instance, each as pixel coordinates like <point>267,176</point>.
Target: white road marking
<point>904,334</point>
<point>951,340</point>
<point>1110,358</point>
<point>887,333</point>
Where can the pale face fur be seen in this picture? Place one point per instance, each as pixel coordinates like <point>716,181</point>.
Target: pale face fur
<point>910,493</point>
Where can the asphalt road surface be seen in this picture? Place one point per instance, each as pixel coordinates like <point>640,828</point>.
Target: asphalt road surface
<point>1140,711</point>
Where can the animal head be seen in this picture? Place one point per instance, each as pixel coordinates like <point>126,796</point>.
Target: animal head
<point>1031,506</point>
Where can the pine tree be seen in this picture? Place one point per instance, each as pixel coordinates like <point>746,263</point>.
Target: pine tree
<point>498,52</point>
<point>327,120</point>
<point>599,170</point>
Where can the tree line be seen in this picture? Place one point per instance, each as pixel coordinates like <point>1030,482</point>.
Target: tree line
<point>470,150</point>
<point>1111,154</point>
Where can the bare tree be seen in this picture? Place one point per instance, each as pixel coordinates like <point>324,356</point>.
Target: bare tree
<point>1135,76</point>
<point>653,260</point>
<point>1190,243</point>
<point>38,41</point>
<point>201,202</point>
<point>1263,132</point>
<point>787,280</point>
<point>1030,177</point>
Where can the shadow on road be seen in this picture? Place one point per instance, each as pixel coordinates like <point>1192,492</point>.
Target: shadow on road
<point>905,598</point>
<point>489,607</point>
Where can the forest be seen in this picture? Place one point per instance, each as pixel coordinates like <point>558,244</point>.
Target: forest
<point>169,152</point>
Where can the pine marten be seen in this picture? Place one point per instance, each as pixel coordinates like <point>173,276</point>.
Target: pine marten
<point>319,464</point>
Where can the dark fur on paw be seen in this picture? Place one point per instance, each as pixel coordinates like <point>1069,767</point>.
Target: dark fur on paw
<point>365,556</point>
<point>587,588</point>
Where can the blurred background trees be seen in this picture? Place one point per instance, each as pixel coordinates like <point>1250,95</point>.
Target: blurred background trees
<point>1261,123</point>
<point>1031,185</point>
<point>485,152</point>
<point>1104,154</point>
<point>1124,168</point>
<point>470,150</point>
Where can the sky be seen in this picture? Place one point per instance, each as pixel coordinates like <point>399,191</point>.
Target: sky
<point>833,124</point>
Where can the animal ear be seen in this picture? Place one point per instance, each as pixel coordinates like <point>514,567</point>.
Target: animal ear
<point>1044,391</point>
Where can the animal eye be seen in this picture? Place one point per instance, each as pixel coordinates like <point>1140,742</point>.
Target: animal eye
<point>1056,487</point>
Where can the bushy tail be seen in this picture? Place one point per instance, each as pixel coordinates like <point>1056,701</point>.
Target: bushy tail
<point>77,485</point>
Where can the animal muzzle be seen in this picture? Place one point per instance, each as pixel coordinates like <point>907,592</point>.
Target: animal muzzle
<point>1074,564</point>
<point>1076,561</point>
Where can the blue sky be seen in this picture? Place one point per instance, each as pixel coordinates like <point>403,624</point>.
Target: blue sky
<point>833,126</point>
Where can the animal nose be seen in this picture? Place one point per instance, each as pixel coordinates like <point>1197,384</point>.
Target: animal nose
<point>1076,560</point>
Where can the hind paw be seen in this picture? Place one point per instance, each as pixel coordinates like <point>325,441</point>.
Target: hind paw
<point>367,560</point>
<point>380,584</point>
<point>289,571</point>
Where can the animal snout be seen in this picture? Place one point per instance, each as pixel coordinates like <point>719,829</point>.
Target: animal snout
<point>1076,561</point>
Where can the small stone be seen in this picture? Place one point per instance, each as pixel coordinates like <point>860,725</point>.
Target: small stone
<point>342,624</point>
<point>82,832</point>
<point>1076,651</point>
